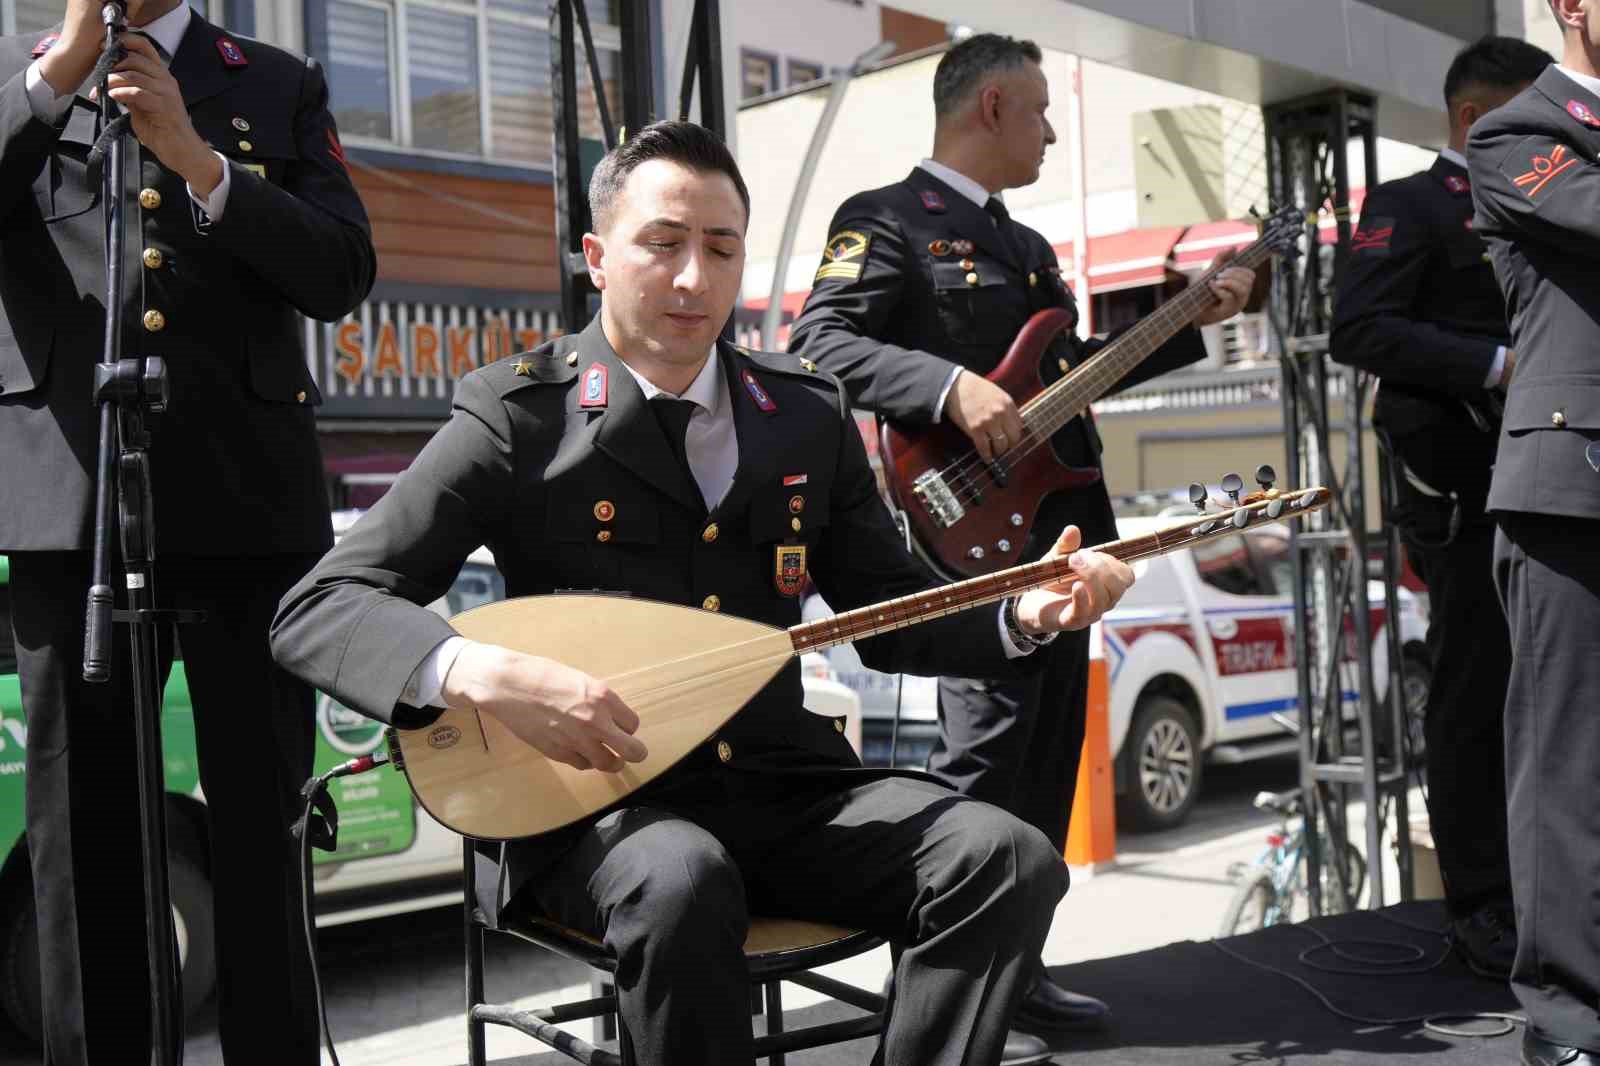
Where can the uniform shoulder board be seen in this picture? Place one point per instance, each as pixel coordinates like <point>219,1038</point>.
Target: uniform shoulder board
<point>788,364</point>
<point>539,367</point>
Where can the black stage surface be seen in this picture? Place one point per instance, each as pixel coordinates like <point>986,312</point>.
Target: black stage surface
<point>1192,1004</point>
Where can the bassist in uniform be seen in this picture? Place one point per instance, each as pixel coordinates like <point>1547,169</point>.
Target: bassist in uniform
<point>922,287</point>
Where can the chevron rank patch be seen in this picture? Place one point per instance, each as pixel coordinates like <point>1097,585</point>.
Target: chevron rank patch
<point>1543,168</point>
<point>844,256</point>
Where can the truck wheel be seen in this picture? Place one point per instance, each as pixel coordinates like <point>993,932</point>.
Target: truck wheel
<point>1162,770</point>
<point>192,919</point>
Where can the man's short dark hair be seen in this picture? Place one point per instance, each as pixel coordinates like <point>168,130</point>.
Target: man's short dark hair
<point>684,143</point>
<point>1494,63</point>
<point>968,62</point>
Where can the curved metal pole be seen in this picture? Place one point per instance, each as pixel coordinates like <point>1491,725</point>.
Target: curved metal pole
<point>802,186</point>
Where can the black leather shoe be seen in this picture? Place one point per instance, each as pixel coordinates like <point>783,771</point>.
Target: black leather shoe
<point>1023,1049</point>
<point>1537,1051</point>
<point>1487,939</point>
<point>1049,1008</point>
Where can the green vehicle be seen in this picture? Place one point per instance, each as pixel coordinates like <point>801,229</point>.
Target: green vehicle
<point>392,856</point>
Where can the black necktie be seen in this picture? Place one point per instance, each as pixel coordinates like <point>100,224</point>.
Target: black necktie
<point>1002,225</point>
<point>166,57</point>
<point>674,415</point>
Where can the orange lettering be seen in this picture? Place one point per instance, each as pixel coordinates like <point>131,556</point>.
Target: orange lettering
<point>352,360</point>
<point>424,350</point>
<point>459,341</point>
<point>388,363</point>
<point>528,339</point>
<point>496,341</point>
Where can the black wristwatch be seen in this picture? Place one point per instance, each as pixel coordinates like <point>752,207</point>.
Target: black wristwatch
<point>1024,640</point>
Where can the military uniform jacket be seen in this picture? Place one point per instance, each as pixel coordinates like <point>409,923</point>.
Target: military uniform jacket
<point>1536,185</point>
<point>524,465</point>
<point>1419,306</point>
<point>237,469</point>
<point>901,299</point>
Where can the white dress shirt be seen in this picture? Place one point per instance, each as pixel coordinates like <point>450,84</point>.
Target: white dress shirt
<point>167,31</point>
<point>711,446</point>
<point>1498,367</point>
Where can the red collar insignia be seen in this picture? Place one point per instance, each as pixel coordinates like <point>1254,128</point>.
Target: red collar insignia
<point>232,56</point>
<point>1457,184</point>
<point>757,393</point>
<point>1581,112</point>
<point>594,386</point>
<point>45,44</point>
<point>933,201</point>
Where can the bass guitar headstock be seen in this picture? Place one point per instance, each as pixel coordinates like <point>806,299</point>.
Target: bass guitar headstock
<point>1281,231</point>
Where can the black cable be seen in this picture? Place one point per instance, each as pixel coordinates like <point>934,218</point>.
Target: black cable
<point>322,834</point>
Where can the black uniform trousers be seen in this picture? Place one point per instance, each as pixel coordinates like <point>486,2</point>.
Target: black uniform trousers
<point>1548,575</point>
<point>1470,652</point>
<point>964,890</point>
<point>254,733</point>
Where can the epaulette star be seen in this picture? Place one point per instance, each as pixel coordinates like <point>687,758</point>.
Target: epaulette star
<point>808,365</point>
<point>522,368</point>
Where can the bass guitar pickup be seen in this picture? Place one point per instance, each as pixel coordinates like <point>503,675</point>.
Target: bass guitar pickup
<point>938,499</point>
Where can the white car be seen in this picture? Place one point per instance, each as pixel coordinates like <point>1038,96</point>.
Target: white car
<point>1199,654</point>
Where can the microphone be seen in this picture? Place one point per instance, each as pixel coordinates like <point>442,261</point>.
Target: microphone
<point>114,13</point>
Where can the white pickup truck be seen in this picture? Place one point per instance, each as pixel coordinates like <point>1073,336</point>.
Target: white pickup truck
<point>1200,656</point>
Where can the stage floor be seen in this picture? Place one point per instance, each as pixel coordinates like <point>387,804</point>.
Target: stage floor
<point>1191,1003</point>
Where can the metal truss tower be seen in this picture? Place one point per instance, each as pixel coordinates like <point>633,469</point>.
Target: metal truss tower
<point>1352,745</point>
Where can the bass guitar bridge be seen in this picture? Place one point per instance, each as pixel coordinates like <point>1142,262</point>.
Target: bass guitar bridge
<point>938,499</point>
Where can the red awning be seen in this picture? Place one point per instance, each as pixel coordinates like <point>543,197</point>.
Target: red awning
<point>1200,244</point>
<point>1128,260</point>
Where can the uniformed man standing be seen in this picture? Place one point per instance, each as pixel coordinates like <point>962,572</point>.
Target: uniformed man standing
<point>1537,189</point>
<point>924,286</point>
<point>239,214</point>
<point>1418,305</point>
<point>645,456</point>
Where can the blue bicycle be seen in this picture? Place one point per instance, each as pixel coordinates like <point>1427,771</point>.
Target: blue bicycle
<point>1272,889</point>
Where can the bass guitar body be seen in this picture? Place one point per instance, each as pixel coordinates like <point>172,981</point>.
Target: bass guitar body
<point>685,672</point>
<point>969,517</point>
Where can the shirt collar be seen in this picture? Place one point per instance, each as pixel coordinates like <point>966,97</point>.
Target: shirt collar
<point>1587,81</point>
<point>702,391</point>
<point>1452,156</point>
<point>957,181</point>
<point>168,30</point>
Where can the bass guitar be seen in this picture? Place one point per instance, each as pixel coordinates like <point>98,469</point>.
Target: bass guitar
<point>970,517</point>
<point>686,672</point>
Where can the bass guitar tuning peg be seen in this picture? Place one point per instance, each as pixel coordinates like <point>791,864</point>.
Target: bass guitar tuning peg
<point>1197,496</point>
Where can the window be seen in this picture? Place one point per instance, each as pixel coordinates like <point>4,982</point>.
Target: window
<point>1271,548</point>
<point>1224,564</point>
<point>459,77</point>
<point>803,73</point>
<point>758,73</point>
<point>28,16</point>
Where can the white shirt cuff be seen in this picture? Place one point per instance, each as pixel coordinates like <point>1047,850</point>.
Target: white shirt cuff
<point>1012,651</point>
<point>217,202</point>
<point>427,680</point>
<point>944,393</point>
<point>1497,368</point>
<point>47,107</point>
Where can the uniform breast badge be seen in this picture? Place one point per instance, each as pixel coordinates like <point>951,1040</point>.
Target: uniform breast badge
<point>789,568</point>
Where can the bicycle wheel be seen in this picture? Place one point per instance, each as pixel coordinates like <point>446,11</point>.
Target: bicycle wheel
<point>1253,906</point>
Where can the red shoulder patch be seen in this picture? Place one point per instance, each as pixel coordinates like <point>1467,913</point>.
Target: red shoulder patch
<point>1544,169</point>
<point>232,54</point>
<point>336,149</point>
<point>1457,184</point>
<point>933,201</point>
<point>1580,111</point>
<point>45,44</point>
<point>1374,235</point>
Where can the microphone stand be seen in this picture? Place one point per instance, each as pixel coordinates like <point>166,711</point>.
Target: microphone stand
<point>125,390</point>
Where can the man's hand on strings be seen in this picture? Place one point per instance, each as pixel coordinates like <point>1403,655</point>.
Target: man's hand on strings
<point>564,713</point>
<point>1231,288</point>
<point>1096,584</point>
<point>986,413</point>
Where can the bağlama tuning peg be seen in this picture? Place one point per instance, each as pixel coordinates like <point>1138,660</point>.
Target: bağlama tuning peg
<point>1197,496</point>
<point>1233,484</point>
<point>1265,476</point>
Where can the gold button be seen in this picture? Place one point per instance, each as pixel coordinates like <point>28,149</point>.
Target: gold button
<point>972,279</point>
<point>155,321</point>
<point>1558,419</point>
<point>245,146</point>
<point>149,199</point>
<point>300,397</point>
<point>241,125</point>
<point>794,523</point>
<point>967,264</point>
<point>797,504</point>
<point>709,534</point>
<point>603,536</point>
<point>572,358</point>
<point>605,510</point>
<point>724,751</point>
<point>712,602</point>
<point>152,258</point>
<point>1033,279</point>
<point>1487,258</point>
<point>1064,365</point>
<point>838,725</point>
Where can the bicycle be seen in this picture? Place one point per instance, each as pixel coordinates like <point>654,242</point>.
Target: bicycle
<point>1272,889</point>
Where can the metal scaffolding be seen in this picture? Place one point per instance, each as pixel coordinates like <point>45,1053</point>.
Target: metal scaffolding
<point>1351,743</point>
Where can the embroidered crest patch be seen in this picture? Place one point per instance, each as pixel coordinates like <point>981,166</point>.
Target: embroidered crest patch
<point>844,256</point>
<point>1543,169</point>
<point>1374,236</point>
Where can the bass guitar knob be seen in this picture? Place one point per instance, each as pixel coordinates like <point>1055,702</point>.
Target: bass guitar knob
<point>1016,520</point>
<point>975,552</point>
<point>1003,545</point>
